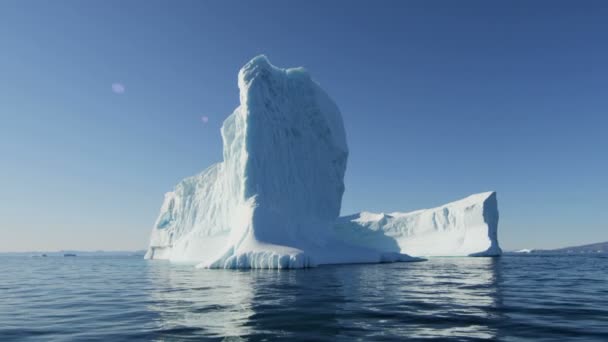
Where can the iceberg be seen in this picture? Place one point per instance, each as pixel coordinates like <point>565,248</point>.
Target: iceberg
<point>467,227</point>
<point>274,199</point>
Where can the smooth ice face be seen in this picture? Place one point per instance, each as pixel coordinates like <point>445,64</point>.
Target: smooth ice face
<point>467,227</point>
<point>296,154</point>
<point>272,202</point>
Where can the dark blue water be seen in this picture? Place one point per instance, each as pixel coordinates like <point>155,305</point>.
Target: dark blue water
<point>126,298</point>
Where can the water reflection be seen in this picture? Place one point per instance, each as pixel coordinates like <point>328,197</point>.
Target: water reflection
<point>454,297</point>
<point>442,297</point>
<point>191,302</point>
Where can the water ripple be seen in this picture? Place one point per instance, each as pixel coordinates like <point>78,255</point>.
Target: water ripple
<point>113,299</point>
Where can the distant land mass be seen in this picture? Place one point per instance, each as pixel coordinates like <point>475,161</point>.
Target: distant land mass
<point>592,248</point>
<point>599,247</point>
<point>77,253</point>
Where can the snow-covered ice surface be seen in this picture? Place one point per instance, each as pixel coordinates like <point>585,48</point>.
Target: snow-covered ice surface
<point>274,200</point>
<point>467,227</point>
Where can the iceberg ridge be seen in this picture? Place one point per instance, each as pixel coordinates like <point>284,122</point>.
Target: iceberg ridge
<point>467,227</point>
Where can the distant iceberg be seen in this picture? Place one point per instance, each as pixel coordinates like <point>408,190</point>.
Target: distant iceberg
<point>274,201</point>
<point>525,251</point>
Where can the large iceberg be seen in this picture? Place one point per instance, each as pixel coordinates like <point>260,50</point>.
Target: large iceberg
<point>274,200</point>
<point>467,227</point>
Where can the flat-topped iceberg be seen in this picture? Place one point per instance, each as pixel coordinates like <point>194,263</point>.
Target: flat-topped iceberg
<point>467,227</point>
<point>274,200</point>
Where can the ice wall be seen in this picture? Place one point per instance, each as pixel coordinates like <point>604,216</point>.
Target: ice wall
<point>467,227</point>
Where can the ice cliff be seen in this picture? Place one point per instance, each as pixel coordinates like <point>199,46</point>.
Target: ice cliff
<point>467,227</point>
<point>274,200</point>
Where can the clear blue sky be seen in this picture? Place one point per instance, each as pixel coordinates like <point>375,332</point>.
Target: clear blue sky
<point>440,99</point>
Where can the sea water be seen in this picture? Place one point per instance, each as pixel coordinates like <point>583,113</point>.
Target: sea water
<point>510,298</point>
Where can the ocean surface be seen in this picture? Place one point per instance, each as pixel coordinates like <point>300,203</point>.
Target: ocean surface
<point>510,298</point>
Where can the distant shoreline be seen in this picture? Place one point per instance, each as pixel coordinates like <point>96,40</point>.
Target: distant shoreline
<point>75,252</point>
